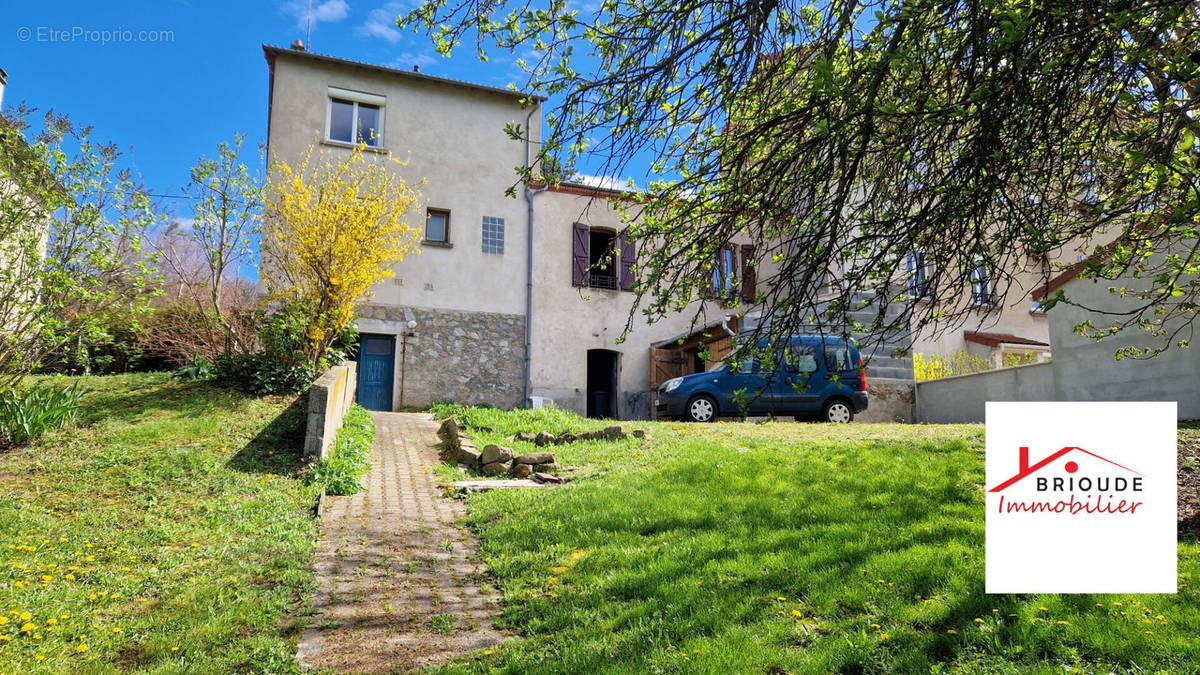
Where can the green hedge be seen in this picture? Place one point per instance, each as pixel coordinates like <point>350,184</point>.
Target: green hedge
<point>350,457</point>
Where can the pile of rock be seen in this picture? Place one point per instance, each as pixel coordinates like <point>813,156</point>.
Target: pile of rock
<point>544,438</point>
<point>495,460</point>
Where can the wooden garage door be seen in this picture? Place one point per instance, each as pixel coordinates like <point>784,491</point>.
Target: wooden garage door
<point>664,365</point>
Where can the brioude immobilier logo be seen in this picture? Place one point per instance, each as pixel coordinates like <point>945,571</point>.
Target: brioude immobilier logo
<point>1081,497</point>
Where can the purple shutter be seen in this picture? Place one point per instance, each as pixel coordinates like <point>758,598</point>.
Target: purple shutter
<point>580,254</point>
<point>628,259</point>
<point>749,277</point>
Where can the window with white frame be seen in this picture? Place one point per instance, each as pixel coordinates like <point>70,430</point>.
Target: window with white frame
<point>355,117</point>
<point>493,235</point>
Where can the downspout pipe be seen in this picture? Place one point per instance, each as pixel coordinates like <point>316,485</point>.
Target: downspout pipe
<point>529,195</point>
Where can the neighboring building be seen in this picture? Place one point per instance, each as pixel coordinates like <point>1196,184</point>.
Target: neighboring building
<point>454,321</point>
<point>1004,331</point>
<point>1083,369</point>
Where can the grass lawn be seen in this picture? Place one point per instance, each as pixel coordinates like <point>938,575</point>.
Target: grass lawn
<point>785,548</point>
<point>166,532</point>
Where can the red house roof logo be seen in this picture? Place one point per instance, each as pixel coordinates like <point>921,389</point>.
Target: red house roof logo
<point>1025,470</point>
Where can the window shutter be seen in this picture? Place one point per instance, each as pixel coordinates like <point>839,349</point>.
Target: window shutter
<point>628,259</point>
<point>749,275</point>
<point>580,254</point>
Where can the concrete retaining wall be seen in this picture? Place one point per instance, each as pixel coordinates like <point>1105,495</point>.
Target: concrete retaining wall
<point>961,399</point>
<point>329,398</point>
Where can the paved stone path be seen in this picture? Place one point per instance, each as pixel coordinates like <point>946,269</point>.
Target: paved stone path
<point>399,582</point>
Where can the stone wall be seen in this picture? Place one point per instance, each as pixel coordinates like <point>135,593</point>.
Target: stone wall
<point>890,401</point>
<point>465,357</point>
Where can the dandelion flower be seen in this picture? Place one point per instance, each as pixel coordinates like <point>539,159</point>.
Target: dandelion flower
<point>488,652</point>
<point>69,577</point>
<point>25,616</point>
<point>116,630</point>
<point>952,632</point>
<point>1064,623</point>
<point>797,613</point>
<point>81,649</point>
<point>978,620</point>
<point>28,627</point>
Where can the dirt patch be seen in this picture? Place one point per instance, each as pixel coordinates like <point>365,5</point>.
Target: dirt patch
<point>1189,482</point>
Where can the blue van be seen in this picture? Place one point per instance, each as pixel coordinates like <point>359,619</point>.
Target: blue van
<point>822,378</point>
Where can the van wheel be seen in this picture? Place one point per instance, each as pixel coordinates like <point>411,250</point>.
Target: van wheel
<point>701,408</point>
<point>838,411</point>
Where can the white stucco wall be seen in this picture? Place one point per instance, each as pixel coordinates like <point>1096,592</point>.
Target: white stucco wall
<point>568,321</point>
<point>452,138</point>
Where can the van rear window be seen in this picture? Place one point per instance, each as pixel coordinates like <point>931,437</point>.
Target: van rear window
<point>838,359</point>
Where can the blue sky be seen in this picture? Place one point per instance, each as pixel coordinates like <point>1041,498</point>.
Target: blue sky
<point>169,97</point>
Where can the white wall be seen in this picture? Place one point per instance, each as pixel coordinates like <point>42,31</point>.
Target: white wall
<point>568,321</point>
<point>453,138</point>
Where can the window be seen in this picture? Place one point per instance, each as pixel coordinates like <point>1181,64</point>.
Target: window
<point>916,274</point>
<point>1036,307</point>
<point>801,359</point>
<point>837,359</point>
<point>493,235</point>
<point>981,283</point>
<point>437,226</point>
<point>355,117</point>
<point>723,272</point>
<point>602,257</point>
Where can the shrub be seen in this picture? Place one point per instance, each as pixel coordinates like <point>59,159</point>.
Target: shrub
<point>350,457</point>
<point>959,362</point>
<point>281,365</point>
<point>200,369</point>
<point>25,415</point>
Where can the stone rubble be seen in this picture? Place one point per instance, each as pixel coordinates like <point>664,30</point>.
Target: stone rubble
<point>499,460</point>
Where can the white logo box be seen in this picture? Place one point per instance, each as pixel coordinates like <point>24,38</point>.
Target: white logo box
<point>1104,520</point>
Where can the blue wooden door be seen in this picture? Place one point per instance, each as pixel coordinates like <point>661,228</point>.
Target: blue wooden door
<point>376,366</point>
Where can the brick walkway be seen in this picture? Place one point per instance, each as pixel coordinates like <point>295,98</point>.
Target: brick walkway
<point>399,584</point>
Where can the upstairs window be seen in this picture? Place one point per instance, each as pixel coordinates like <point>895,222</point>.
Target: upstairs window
<point>601,258</point>
<point>981,283</point>
<point>355,117</point>
<point>916,279</point>
<point>437,226</point>
<point>723,272</point>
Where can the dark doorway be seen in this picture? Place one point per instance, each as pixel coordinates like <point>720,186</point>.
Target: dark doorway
<point>376,367</point>
<point>602,382</point>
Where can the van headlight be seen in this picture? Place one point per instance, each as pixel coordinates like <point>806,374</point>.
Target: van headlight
<point>672,384</point>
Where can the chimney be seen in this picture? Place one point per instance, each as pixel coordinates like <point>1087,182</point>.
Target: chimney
<point>298,45</point>
<point>1023,460</point>
<point>3,81</point>
<point>416,68</point>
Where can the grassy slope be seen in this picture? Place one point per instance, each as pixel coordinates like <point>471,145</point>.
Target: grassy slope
<point>175,507</point>
<point>787,547</point>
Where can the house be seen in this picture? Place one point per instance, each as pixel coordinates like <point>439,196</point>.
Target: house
<point>511,301</point>
<point>1083,368</point>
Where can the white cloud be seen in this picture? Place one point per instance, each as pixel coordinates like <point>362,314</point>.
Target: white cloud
<point>381,22</point>
<point>329,11</point>
<point>604,182</point>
